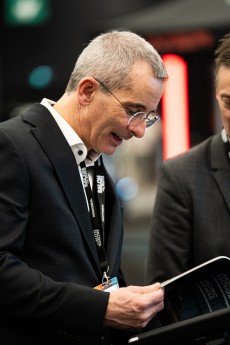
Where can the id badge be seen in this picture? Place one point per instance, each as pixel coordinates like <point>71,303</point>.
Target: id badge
<point>109,285</point>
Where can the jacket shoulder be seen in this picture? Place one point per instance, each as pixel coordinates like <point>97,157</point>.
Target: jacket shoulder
<point>196,155</point>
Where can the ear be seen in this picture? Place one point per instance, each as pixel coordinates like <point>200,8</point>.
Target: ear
<point>86,88</point>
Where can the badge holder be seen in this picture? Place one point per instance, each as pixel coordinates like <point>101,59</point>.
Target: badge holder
<point>107,283</point>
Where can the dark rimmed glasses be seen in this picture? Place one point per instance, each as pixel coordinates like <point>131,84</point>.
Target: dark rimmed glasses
<point>136,118</point>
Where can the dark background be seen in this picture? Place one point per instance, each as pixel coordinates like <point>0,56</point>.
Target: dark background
<point>72,23</point>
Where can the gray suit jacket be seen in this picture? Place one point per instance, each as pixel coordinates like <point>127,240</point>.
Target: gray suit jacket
<point>191,218</point>
<point>48,258</point>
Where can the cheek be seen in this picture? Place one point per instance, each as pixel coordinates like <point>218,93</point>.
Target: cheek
<point>225,113</point>
<point>100,133</point>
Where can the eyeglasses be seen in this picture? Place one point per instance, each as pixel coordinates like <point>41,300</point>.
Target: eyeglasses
<point>150,119</point>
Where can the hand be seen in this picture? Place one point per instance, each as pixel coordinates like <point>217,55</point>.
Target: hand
<point>132,307</point>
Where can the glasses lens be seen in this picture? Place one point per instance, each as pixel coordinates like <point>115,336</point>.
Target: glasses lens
<point>152,119</point>
<point>149,119</point>
<point>137,118</point>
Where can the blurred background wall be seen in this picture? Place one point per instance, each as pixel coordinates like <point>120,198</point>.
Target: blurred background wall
<point>40,41</point>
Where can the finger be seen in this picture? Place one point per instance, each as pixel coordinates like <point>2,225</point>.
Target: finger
<point>147,316</point>
<point>153,310</point>
<point>160,292</point>
<point>150,288</point>
<point>154,297</point>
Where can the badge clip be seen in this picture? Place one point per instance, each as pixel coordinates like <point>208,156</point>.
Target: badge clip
<point>105,277</point>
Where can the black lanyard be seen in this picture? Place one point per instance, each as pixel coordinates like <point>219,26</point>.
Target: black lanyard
<point>98,223</point>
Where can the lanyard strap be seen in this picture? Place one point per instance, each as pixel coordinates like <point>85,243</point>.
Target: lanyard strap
<point>98,223</point>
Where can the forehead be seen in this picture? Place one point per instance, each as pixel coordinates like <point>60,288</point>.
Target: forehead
<point>144,84</point>
<point>223,78</point>
<point>141,73</point>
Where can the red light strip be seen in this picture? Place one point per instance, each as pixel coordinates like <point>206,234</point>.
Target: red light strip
<point>175,114</point>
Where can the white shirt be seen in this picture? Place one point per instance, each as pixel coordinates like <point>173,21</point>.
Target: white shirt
<point>74,141</point>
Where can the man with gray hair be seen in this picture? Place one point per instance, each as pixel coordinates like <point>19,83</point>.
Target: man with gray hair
<point>61,222</point>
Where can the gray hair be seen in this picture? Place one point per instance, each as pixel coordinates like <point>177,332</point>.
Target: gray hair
<point>110,56</point>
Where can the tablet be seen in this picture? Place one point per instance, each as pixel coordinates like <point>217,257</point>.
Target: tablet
<point>197,330</point>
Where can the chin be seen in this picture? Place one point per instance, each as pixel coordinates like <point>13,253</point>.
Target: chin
<point>109,151</point>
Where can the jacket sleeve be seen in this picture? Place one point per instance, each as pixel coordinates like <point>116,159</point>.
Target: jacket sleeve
<point>26,294</point>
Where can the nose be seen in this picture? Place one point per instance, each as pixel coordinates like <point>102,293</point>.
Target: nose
<point>138,131</point>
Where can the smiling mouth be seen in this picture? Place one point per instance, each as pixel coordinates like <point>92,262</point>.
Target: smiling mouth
<point>117,138</point>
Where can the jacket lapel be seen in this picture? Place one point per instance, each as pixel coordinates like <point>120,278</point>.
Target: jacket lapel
<point>55,146</point>
<point>221,168</point>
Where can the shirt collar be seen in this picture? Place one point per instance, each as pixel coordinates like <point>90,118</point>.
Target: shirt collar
<point>74,141</point>
<point>224,136</point>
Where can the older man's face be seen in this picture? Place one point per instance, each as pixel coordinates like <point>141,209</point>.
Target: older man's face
<point>110,122</point>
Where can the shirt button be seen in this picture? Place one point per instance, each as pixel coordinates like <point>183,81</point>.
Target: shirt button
<point>80,152</point>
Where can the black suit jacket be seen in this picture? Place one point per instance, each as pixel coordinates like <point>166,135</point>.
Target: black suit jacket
<point>48,258</point>
<point>191,219</point>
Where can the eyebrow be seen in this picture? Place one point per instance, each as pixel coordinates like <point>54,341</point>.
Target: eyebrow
<point>224,95</point>
<point>129,104</point>
<point>133,104</point>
